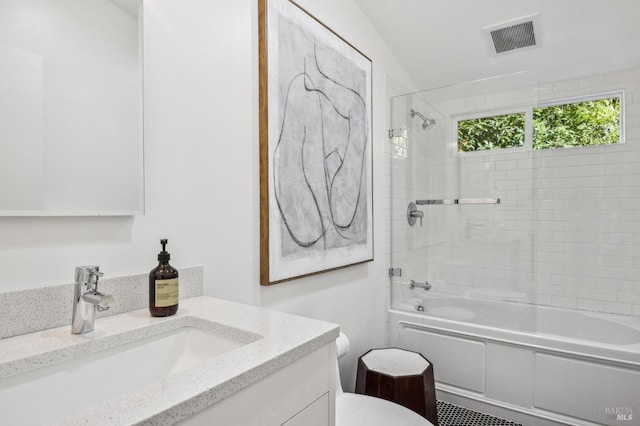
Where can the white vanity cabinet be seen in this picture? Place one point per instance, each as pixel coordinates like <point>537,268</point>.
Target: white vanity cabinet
<point>300,394</point>
<point>228,364</point>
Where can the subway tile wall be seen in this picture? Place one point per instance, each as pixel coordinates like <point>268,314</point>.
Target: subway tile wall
<point>567,230</point>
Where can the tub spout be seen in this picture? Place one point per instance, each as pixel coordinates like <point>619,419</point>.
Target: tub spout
<point>425,285</point>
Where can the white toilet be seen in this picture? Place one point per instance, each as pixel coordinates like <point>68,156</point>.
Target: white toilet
<point>361,410</point>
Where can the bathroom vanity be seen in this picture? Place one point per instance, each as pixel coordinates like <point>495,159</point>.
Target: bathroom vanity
<point>214,363</point>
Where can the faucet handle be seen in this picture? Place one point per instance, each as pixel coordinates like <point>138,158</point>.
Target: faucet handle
<point>96,272</point>
<point>88,274</point>
<point>413,213</point>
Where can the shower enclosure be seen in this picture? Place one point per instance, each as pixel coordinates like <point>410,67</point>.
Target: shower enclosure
<point>463,223</point>
<point>514,267</point>
<point>521,223</point>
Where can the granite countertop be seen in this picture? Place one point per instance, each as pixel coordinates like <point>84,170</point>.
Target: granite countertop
<point>272,341</point>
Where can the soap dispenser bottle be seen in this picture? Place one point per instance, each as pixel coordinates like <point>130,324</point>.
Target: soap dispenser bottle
<point>163,286</point>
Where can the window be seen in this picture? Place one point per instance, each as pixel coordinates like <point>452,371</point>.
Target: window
<point>495,132</point>
<point>578,122</point>
<point>595,122</point>
<point>399,146</point>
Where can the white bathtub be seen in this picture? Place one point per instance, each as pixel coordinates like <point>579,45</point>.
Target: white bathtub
<point>536,365</point>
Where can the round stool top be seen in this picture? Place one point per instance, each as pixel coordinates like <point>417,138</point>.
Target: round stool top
<point>395,362</point>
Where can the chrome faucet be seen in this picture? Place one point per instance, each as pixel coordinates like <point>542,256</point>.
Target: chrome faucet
<point>414,284</point>
<point>87,299</point>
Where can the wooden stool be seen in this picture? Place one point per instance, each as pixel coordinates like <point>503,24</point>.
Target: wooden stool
<point>400,376</point>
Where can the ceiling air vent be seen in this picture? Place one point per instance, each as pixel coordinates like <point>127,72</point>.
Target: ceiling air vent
<point>512,35</point>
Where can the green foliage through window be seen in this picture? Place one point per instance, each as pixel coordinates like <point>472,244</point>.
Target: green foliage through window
<point>585,123</point>
<point>500,131</point>
<point>578,124</point>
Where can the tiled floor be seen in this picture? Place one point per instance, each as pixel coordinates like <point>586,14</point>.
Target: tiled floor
<point>452,415</point>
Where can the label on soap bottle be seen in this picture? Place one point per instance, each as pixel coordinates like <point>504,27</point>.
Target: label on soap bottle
<point>166,292</point>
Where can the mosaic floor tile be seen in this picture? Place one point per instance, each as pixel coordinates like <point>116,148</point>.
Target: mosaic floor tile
<point>453,415</point>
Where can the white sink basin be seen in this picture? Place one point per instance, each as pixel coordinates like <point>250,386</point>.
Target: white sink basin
<point>46,394</point>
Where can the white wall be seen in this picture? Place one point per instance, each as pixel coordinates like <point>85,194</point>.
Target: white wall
<point>201,166</point>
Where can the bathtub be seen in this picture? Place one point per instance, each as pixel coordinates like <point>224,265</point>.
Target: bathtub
<point>533,364</point>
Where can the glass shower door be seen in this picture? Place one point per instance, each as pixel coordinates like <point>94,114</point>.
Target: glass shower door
<point>420,170</point>
<point>463,222</point>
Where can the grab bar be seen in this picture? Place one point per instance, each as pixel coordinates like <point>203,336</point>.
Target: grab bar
<point>460,201</point>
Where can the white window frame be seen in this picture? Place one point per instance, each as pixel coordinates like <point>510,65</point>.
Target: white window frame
<point>586,98</point>
<point>528,122</point>
<point>527,110</point>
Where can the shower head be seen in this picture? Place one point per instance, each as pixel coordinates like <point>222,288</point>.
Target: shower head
<point>426,122</point>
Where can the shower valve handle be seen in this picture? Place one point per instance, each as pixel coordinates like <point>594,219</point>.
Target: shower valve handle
<point>413,213</point>
<point>417,214</point>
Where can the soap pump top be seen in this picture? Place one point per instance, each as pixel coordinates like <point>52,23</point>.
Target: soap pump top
<point>164,256</point>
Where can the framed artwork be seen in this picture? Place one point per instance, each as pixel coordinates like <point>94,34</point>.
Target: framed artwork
<point>315,147</point>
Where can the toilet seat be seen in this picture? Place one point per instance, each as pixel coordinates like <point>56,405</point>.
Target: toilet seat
<point>361,410</point>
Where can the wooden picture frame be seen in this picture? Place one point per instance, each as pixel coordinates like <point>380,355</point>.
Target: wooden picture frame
<point>316,192</point>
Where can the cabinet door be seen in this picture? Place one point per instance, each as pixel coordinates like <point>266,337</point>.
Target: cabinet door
<point>277,398</point>
<point>316,414</point>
